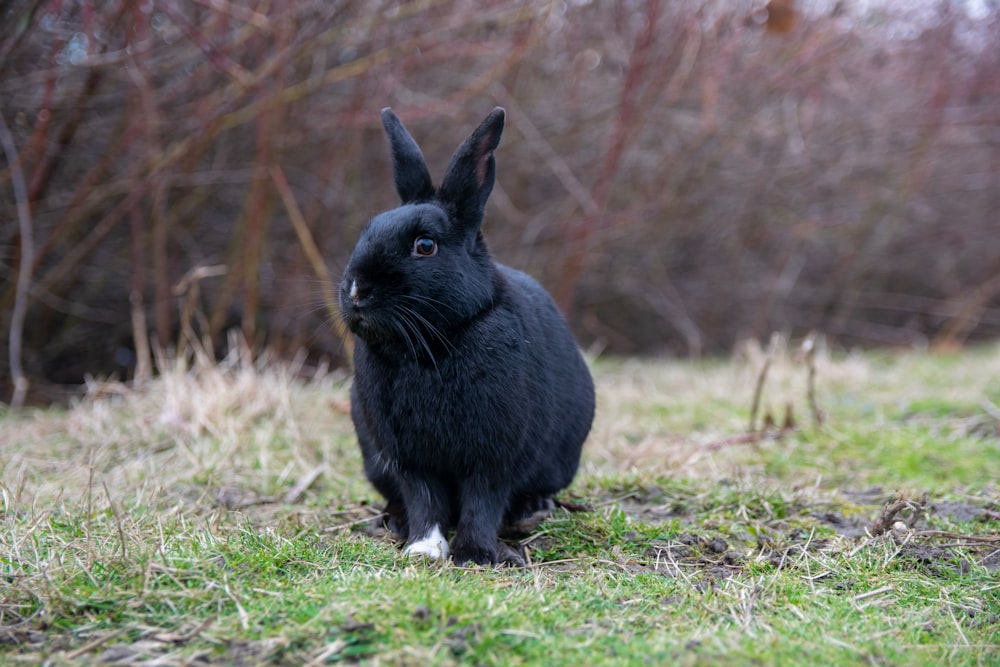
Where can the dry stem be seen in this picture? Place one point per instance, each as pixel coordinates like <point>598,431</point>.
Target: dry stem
<point>16,334</point>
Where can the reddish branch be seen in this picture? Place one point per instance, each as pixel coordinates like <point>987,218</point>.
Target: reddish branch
<point>624,128</point>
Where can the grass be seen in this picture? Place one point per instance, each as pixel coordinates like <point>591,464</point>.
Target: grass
<point>218,516</point>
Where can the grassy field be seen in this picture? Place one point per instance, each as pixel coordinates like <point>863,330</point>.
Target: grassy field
<point>219,516</point>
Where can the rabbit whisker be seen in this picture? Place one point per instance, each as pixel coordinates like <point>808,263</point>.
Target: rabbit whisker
<point>429,326</point>
<point>317,308</point>
<point>411,320</point>
<point>416,320</point>
<point>427,331</point>
<point>432,303</point>
<point>399,324</point>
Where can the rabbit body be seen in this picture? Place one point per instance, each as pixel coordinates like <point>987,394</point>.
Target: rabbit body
<point>471,401</point>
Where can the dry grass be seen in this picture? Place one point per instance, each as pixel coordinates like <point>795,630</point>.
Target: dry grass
<point>241,422</point>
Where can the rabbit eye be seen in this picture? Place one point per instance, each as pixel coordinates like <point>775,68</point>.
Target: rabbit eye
<point>425,246</point>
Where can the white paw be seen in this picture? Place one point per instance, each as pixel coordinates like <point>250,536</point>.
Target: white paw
<point>432,545</point>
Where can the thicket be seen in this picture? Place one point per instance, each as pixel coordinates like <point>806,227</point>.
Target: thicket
<point>681,175</point>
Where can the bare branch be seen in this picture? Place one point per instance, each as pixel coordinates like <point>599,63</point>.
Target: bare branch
<point>16,334</point>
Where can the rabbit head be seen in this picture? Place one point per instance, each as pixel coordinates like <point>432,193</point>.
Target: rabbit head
<point>423,268</point>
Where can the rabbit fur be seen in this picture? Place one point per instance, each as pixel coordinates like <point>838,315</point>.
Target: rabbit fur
<point>471,400</point>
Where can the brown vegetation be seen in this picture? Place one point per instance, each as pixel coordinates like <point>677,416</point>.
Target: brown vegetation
<point>681,175</point>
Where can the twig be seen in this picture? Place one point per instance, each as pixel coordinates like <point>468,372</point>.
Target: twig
<point>94,643</point>
<point>188,287</point>
<point>622,132</point>
<point>970,539</point>
<point>809,346</point>
<point>140,332</point>
<point>328,652</point>
<point>90,514</point>
<point>761,379</point>
<point>559,167</point>
<point>118,518</point>
<point>16,334</point>
<point>141,73</point>
<point>46,167</point>
<point>312,254</point>
<point>215,56</point>
<point>877,591</point>
<point>294,494</point>
<point>350,524</point>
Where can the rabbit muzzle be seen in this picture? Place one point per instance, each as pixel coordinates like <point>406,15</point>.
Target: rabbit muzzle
<point>352,304</point>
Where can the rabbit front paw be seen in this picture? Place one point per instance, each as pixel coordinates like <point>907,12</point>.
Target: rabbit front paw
<point>433,545</point>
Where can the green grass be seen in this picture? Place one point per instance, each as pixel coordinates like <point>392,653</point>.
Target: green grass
<point>151,526</point>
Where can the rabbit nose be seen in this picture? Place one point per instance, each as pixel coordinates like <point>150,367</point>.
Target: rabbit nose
<point>354,292</point>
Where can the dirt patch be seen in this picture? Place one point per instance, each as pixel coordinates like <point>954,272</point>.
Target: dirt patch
<point>853,527</point>
<point>957,512</point>
<point>992,561</point>
<point>20,635</point>
<point>256,652</point>
<point>932,560</point>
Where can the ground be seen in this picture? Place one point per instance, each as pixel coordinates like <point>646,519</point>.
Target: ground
<point>218,515</point>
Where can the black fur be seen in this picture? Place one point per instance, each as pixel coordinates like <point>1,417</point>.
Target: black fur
<point>471,401</point>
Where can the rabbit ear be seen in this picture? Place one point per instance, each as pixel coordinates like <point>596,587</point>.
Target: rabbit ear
<point>469,179</point>
<point>413,181</point>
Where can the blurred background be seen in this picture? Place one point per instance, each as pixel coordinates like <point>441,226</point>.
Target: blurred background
<point>682,175</point>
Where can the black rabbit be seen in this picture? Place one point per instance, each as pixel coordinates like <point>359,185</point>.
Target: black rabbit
<point>471,401</point>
